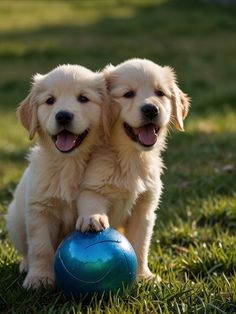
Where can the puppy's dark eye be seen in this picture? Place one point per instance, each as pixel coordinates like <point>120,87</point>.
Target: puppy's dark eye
<point>159,93</point>
<point>82,99</point>
<point>129,94</point>
<point>50,100</point>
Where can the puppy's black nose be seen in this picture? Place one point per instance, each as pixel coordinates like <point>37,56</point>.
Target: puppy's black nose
<point>64,117</point>
<point>150,111</point>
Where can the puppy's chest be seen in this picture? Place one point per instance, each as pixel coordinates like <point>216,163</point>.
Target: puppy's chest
<point>61,184</point>
<point>123,195</point>
<point>60,213</point>
<point>124,185</point>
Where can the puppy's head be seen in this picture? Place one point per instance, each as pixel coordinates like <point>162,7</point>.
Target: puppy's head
<point>65,107</point>
<point>146,100</point>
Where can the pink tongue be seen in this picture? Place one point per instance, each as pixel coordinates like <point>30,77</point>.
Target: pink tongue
<point>66,141</point>
<point>146,134</point>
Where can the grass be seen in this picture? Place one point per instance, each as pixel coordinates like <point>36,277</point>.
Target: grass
<point>193,247</point>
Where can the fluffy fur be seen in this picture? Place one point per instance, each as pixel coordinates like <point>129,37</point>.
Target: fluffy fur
<point>44,207</point>
<point>122,183</point>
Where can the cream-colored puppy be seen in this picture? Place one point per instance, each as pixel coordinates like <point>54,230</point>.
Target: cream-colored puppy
<point>65,108</point>
<point>122,184</point>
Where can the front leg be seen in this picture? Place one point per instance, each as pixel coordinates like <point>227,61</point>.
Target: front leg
<point>138,230</point>
<point>92,212</point>
<point>40,249</point>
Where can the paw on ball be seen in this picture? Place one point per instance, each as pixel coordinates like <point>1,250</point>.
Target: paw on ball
<point>95,222</point>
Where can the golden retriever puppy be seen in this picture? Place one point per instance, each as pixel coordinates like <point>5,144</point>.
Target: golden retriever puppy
<point>65,108</point>
<point>122,184</point>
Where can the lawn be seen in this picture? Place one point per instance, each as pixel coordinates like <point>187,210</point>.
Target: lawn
<point>194,242</point>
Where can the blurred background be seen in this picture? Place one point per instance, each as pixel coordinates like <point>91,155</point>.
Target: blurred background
<point>197,38</point>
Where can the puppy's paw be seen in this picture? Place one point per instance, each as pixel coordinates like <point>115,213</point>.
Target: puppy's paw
<point>148,276</point>
<point>95,222</point>
<point>35,282</point>
<point>23,266</point>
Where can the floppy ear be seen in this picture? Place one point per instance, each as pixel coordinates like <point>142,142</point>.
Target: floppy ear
<point>180,100</point>
<point>105,112</point>
<point>27,111</point>
<point>181,104</point>
<point>107,71</point>
<point>113,108</point>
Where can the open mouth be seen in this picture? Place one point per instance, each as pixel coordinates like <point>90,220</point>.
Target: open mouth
<point>66,141</point>
<point>145,135</point>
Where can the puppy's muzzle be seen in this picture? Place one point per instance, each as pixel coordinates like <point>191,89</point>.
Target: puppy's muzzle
<point>150,112</point>
<point>64,117</point>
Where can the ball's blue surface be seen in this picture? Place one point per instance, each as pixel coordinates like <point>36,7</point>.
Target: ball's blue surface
<point>100,262</point>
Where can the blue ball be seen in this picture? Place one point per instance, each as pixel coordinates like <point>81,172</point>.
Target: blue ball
<point>100,262</point>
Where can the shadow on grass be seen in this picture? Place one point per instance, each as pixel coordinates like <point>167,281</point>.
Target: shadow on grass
<point>200,167</point>
<point>201,161</point>
<point>6,193</point>
<point>9,284</point>
<point>15,299</point>
<point>16,156</point>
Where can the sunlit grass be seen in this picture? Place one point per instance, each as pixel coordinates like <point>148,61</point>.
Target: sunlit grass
<point>22,15</point>
<point>213,123</point>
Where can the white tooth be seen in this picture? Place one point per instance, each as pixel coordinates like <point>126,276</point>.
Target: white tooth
<point>74,142</point>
